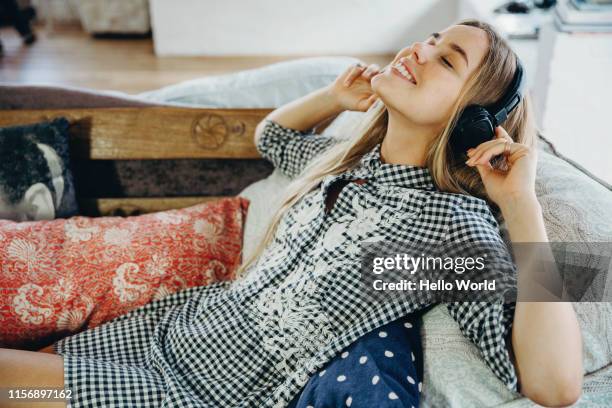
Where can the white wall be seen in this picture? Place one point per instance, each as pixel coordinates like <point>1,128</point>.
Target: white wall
<point>281,27</point>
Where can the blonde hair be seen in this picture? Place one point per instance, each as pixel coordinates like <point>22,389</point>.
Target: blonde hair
<point>450,174</point>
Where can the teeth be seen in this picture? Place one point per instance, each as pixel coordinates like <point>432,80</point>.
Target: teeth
<point>404,72</point>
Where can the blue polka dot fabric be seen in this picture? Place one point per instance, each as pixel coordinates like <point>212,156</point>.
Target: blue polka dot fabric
<point>383,368</point>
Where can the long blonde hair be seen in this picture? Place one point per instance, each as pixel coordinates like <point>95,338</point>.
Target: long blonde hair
<point>484,87</point>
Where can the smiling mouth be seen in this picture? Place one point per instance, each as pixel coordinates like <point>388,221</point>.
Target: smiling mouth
<point>400,70</point>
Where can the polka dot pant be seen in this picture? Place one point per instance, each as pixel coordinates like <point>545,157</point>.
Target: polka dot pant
<point>384,368</point>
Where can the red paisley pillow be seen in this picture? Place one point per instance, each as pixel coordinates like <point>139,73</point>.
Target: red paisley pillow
<point>62,276</point>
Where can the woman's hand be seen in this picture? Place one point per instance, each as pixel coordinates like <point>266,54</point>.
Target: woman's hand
<point>516,183</point>
<point>352,89</point>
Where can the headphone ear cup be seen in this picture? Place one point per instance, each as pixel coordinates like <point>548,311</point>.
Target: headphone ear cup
<point>475,126</point>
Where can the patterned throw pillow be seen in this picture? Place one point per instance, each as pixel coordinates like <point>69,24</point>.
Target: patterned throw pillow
<point>35,176</point>
<point>61,276</point>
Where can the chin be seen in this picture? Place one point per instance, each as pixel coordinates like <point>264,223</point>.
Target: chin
<point>383,87</point>
<point>390,99</point>
<point>388,84</point>
<point>384,78</point>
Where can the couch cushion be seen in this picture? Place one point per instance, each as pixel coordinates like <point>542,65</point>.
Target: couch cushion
<point>575,208</point>
<point>266,87</point>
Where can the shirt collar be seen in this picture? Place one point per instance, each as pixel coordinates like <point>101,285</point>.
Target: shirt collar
<point>372,167</point>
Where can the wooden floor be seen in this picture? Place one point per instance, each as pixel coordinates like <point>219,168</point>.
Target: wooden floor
<point>69,56</point>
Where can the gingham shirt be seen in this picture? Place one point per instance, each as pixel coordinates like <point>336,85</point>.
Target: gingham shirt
<point>256,341</point>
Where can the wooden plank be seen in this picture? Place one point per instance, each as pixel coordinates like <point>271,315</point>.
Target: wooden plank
<point>135,206</point>
<point>166,178</point>
<point>153,133</point>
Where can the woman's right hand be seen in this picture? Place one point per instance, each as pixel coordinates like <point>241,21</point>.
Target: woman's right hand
<point>352,89</point>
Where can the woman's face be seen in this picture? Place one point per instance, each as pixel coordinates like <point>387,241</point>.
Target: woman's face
<point>440,70</point>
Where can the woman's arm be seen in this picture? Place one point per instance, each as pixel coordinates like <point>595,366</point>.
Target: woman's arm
<point>303,113</point>
<point>350,91</point>
<point>546,337</point>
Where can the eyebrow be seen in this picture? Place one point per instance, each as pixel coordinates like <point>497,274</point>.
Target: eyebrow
<point>454,47</point>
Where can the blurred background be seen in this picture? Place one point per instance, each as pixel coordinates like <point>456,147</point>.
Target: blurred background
<point>133,46</point>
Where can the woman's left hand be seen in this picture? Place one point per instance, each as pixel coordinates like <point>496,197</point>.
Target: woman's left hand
<point>519,181</point>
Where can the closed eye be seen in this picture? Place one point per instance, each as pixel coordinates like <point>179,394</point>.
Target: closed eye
<point>445,61</point>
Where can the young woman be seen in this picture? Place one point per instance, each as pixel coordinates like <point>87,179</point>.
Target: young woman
<point>256,342</point>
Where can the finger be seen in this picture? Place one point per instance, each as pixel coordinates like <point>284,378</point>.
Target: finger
<point>351,68</point>
<point>372,70</point>
<point>500,133</point>
<point>484,170</point>
<point>481,146</point>
<point>516,150</point>
<point>364,103</point>
<point>477,152</point>
<point>521,151</point>
<point>354,73</point>
<point>372,99</point>
<point>485,153</point>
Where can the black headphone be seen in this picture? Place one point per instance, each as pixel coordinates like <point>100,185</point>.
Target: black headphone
<point>477,123</point>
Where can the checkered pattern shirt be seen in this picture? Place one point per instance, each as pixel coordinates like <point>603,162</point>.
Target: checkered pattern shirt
<point>443,217</point>
<point>256,341</point>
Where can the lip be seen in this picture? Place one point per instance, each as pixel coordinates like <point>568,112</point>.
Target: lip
<point>403,62</point>
<point>399,74</point>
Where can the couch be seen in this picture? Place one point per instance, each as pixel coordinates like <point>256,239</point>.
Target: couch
<point>577,207</point>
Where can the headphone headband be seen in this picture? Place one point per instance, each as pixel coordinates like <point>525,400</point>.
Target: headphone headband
<point>511,98</point>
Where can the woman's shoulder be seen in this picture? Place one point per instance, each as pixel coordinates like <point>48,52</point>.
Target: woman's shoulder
<point>466,215</point>
<point>460,204</point>
<point>443,216</point>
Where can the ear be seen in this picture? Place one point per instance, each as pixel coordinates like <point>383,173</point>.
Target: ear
<point>38,203</point>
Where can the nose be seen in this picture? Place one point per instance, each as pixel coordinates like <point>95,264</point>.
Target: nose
<point>419,52</point>
<point>416,51</point>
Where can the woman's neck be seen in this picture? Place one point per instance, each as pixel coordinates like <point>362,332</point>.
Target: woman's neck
<point>405,143</point>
